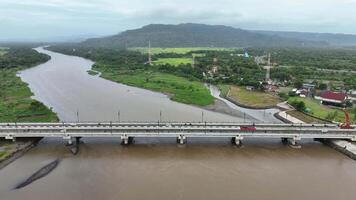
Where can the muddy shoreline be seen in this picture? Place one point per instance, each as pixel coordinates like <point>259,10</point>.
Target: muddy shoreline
<point>28,145</point>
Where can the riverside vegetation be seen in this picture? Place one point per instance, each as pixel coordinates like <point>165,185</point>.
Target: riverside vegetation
<point>173,73</point>
<point>16,104</point>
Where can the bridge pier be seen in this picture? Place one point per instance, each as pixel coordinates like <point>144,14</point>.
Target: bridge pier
<point>126,140</point>
<point>69,140</point>
<point>285,141</point>
<point>294,142</point>
<point>237,141</point>
<point>73,147</point>
<point>10,137</point>
<point>182,139</point>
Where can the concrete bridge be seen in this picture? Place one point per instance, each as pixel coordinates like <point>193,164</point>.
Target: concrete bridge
<point>291,133</point>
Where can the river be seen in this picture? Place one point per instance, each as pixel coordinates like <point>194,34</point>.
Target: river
<point>159,168</point>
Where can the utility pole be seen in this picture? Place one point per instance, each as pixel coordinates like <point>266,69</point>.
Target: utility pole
<point>160,116</point>
<point>193,62</point>
<point>77,115</point>
<point>268,73</point>
<point>149,53</point>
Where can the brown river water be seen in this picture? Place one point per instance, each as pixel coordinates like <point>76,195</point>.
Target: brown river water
<point>159,168</point>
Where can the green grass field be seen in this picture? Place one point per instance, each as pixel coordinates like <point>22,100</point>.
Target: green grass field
<point>224,89</point>
<point>3,50</point>
<point>179,89</point>
<point>252,98</point>
<point>15,102</point>
<point>177,50</point>
<point>173,61</point>
<point>321,111</point>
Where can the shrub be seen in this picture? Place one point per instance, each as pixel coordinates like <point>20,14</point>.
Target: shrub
<point>299,105</point>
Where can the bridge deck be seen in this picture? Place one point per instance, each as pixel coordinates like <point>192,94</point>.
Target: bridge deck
<point>149,129</point>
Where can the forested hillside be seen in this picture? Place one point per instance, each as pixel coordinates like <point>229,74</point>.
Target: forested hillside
<point>194,35</point>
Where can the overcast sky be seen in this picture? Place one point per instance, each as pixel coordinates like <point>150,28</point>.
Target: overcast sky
<point>45,19</point>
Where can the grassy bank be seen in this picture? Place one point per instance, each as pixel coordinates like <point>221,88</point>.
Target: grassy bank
<point>224,89</point>
<point>180,89</point>
<point>16,104</point>
<point>320,111</point>
<point>305,118</point>
<point>251,98</point>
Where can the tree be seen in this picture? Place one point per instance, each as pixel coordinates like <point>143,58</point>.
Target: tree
<point>298,105</point>
<point>298,83</point>
<point>322,86</point>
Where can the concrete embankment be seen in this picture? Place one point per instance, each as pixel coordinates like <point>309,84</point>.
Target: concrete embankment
<point>346,147</point>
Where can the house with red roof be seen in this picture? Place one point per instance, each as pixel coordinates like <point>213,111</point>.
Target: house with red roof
<point>333,98</point>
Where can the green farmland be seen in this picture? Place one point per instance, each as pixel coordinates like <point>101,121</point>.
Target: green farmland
<point>177,50</point>
<point>173,61</point>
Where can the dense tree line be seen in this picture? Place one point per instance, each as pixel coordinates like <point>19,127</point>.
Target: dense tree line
<point>322,58</point>
<point>21,56</point>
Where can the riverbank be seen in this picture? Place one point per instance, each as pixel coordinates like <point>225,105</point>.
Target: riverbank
<point>348,148</point>
<point>16,104</point>
<point>179,89</point>
<point>10,151</point>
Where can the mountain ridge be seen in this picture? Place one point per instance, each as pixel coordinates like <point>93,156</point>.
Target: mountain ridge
<point>195,35</point>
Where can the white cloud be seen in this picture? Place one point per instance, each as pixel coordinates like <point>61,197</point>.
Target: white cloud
<point>109,16</point>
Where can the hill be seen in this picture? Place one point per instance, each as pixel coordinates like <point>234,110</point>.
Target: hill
<point>195,35</point>
<point>330,38</point>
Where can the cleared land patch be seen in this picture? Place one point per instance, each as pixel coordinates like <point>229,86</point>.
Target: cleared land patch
<point>252,98</point>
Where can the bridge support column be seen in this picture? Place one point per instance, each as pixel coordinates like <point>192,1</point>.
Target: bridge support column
<point>237,140</point>
<point>126,140</point>
<point>182,139</point>
<point>285,140</point>
<point>73,147</point>
<point>69,140</point>
<point>10,137</point>
<point>294,142</point>
<point>353,139</point>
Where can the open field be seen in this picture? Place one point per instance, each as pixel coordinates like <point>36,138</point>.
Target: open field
<point>15,102</point>
<point>324,112</point>
<point>173,61</point>
<point>177,50</point>
<point>178,88</point>
<point>252,98</point>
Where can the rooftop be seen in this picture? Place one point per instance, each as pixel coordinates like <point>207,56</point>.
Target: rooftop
<point>338,96</point>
